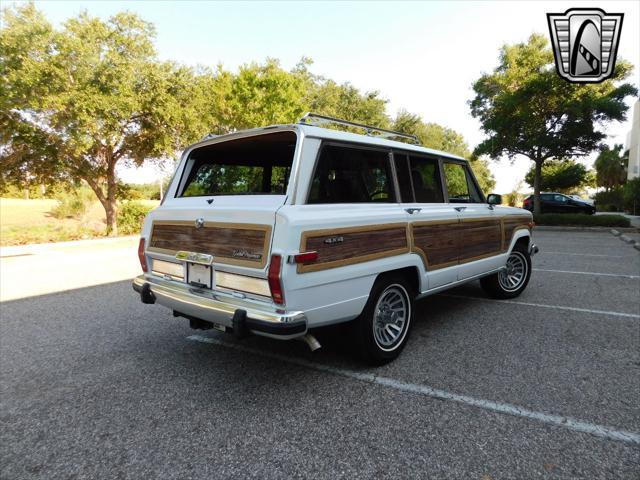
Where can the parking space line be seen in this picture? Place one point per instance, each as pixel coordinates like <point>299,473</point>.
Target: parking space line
<point>542,305</point>
<point>544,252</point>
<point>633,277</point>
<point>498,407</point>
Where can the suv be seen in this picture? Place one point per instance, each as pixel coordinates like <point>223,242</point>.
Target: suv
<point>282,229</point>
<point>560,203</point>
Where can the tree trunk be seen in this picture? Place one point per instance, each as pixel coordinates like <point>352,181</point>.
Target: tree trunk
<point>111,210</point>
<point>536,187</point>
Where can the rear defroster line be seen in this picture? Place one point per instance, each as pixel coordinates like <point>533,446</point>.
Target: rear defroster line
<point>503,408</point>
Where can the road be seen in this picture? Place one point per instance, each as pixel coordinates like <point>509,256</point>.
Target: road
<point>97,385</point>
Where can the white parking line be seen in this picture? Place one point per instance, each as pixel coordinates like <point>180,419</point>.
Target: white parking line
<point>587,273</point>
<point>542,305</point>
<point>505,408</point>
<point>544,252</point>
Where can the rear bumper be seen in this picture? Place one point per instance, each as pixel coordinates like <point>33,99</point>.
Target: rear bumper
<point>223,309</point>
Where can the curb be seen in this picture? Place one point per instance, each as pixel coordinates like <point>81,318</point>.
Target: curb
<point>555,228</point>
<point>626,239</point>
<point>35,248</point>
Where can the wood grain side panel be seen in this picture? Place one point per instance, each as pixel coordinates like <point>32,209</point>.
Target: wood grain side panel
<point>359,244</point>
<point>221,240</point>
<point>480,238</point>
<point>511,225</point>
<point>437,243</point>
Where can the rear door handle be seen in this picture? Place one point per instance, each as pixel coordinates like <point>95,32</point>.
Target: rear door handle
<point>411,211</point>
<point>460,209</point>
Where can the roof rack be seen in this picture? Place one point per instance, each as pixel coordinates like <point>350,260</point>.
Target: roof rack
<point>318,120</point>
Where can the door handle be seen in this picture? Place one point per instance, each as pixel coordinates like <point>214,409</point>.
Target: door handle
<point>411,211</point>
<point>460,209</point>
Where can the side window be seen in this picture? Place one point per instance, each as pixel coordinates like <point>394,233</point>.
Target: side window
<point>560,198</point>
<point>460,187</point>
<point>545,197</point>
<point>426,179</point>
<point>404,177</point>
<point>351,175</point>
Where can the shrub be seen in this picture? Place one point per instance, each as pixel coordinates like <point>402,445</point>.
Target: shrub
<point>581,220</point>
<point>130,217</point>
<point>73,204</point>
<point>631,196</point>
<point>612,197</point>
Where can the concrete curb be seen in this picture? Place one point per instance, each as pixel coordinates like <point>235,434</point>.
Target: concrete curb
<point>625,239</point>
<point>35,248</point>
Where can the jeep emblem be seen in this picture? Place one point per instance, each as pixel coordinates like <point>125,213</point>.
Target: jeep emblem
<point>199,222</point>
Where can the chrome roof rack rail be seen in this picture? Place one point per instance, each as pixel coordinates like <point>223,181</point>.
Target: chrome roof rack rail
<point>319,120</point>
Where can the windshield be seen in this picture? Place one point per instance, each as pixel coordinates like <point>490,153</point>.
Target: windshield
<point>258,165</point>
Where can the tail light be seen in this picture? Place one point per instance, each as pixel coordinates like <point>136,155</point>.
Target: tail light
<point>141,257</point>
<point>275,281</point>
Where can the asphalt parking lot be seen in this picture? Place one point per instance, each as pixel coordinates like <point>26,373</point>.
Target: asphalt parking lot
<point>97,385</point>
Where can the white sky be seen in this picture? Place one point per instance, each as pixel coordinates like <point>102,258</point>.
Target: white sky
<point>421,56</point>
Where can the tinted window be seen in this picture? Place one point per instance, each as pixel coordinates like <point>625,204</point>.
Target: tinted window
<point>426,179</point>
<point>560,198</point>
<point>546,197</point>
<point>254,165</point>
<point>460,186</point>
<point>404,177</point>
<point>351,175</point>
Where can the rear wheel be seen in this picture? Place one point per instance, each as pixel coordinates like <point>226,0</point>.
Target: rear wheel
<point>382,329</point>
<point>511,281</point>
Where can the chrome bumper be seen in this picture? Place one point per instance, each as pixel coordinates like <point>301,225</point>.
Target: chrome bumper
<point>220,308</point>
<point>533,249</point>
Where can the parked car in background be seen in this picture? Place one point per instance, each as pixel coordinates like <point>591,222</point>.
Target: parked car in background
<point>580,199</point>
<point>559,203</point>
<point>282,229</point>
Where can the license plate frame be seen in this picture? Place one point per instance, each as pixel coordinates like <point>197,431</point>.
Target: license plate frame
<point>200,275</point>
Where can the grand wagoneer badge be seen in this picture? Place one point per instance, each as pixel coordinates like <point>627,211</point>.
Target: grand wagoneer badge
<point>246,254</point>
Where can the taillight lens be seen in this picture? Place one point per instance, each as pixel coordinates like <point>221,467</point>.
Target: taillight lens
<point>275,282</point>
<point>141,257</point>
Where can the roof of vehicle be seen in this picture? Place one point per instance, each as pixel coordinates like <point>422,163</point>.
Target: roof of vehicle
<point>328,134</point>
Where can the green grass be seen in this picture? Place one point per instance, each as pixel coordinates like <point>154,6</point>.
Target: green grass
<point>581,220</point>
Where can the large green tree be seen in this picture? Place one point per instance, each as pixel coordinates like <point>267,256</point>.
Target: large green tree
<point>78,101</point>
<point>563,176</point>
<point>526,109</point>
<point>435,136</point>
<point>611,167</point>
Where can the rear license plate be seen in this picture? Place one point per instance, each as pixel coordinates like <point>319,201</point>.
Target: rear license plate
<point>199,275</point>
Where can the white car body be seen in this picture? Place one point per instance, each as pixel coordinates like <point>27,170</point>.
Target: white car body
<point>321,292</point>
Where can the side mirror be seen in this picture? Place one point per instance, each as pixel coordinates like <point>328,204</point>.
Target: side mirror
<point>494,199</point>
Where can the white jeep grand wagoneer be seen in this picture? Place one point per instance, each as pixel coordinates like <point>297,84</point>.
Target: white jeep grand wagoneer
<point>278,230</point>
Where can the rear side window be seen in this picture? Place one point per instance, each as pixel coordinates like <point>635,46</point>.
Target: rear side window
<point>258,165</point>
<point>346,174</point>
<point>460,186</point>
<point>426,179</point>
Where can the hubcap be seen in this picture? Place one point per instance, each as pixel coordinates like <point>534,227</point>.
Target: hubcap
<point>515,273</point>
<point>391,317</point>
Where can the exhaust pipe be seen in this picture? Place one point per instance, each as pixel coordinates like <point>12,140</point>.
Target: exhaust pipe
<point>311,341</point>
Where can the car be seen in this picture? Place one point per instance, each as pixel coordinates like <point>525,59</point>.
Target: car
<point>278,231</point>
<point>559,203</point>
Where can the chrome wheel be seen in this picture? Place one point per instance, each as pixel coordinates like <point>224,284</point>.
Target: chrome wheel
<point>515,272</point>
<point>391,317</point>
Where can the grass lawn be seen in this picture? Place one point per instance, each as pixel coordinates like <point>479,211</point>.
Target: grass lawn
<point>30,221</point>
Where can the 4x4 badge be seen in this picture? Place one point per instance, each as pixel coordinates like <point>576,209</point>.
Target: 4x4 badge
<point>585,43</point>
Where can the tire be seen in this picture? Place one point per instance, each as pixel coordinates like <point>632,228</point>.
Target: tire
<point>513,281</point>
<point>382,329</point>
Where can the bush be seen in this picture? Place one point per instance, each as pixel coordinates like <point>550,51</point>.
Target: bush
<point>581,220</point>
<point>130,217</point>
<point>613,197</point>
<point>631,196</point>
<point>73,204</point>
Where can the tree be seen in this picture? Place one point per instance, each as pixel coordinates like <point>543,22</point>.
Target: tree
<point>78,101</point>
<point>435,136</point>
<point>611,167</point>
<point>561,176</point>
<point>526,109</point>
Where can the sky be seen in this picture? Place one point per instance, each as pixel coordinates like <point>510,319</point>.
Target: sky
<point>421,56</point>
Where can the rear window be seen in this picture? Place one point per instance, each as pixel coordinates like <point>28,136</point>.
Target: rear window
<point>258,165</point>
<point>346,174</point>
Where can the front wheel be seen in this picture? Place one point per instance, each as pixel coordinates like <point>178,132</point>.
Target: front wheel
<point>381,330</point>
<point>511,281</point>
